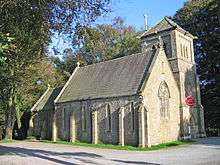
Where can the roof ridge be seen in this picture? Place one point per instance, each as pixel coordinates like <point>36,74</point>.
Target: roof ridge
<point>152,27</point>
<point>126,56</point>
<point>171,22</point>
<point>41,98</point>
<point>66,84</point>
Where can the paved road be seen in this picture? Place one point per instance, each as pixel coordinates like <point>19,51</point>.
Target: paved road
<point>205,151</point>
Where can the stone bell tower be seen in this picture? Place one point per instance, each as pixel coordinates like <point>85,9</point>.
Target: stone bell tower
<point>179,51</point>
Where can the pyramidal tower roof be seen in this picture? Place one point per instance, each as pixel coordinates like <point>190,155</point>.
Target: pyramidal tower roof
<point>164,25</point>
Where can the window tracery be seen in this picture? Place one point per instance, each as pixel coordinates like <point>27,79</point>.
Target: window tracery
<point>164,95</point>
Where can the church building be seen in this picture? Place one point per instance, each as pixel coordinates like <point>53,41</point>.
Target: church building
<point>139,99</point>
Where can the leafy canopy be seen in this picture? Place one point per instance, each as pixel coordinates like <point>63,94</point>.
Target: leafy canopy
<point>202,19</point>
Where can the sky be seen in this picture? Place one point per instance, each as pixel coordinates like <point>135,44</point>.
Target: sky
<point>132,11</point>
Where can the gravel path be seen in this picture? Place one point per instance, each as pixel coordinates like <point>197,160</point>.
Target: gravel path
<point>205,151</point>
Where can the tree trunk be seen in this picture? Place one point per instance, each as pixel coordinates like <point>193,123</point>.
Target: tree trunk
<point>10,118</point>
<point>11,112</point>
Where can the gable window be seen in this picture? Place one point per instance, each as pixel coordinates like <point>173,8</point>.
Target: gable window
<point>162,68</point>
<point>164,95</point>
<point>108,118</point>
<point>83,118</point>
<point>132,116</point>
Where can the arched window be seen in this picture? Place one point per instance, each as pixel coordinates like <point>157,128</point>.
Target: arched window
<point>186,52</point>
<point>181,49</point>
<point>83,117</point>
<point>132,116</point>
<point>108,118</point>
<point>164,95</point>
<point>65,117</point>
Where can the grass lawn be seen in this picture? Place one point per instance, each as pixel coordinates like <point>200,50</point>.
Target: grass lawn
<point>118,147</point>
<point>7,141</point>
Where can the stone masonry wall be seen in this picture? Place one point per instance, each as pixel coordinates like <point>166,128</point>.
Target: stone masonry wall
<point>100,105</point>
<point>162,129</point>
<point>42,127</point>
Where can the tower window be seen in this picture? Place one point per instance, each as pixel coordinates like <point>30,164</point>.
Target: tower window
<point>181,49</point>
<point>186,52</point>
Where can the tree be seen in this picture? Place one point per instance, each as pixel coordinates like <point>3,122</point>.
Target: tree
<point>67,64</point>
<point>100,43</point>
<point>202,19</point>
<point>5,46</point>
<point>31,24</point>
<point>108,41</point>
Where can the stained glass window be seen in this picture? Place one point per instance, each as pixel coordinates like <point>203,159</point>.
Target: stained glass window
<point>164,95</point>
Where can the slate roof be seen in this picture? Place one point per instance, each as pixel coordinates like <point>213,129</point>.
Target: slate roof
<point>46,101</point>
<point>119,77</point>
<point>165,24</point>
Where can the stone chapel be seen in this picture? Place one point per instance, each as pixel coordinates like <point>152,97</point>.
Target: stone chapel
<point>137,99</point>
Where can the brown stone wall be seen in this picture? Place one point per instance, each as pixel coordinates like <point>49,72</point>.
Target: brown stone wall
<point>189,86</point>
<point>42,124</point>
<point>104,135</point>
<point>160,129</point>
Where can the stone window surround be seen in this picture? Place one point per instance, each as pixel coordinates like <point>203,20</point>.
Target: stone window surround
<point>164,96</point>
<point>83,116</point>
<point>132,116</point>
<point>64,117</point>
<point>186,51</point>
<point>108,118</point>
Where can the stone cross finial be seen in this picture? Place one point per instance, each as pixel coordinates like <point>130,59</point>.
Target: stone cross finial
<point>78,64</point>
<point>146,22</point>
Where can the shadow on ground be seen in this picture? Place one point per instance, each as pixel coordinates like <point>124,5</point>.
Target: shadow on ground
<point>211,141</point>
<point>134,162</point>
<point>56,157</point>
<point>46,155</point>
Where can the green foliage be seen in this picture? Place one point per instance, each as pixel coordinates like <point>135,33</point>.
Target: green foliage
<point>8,141</point>
<point>66,66</point>
<point>5,46</point>
<point>24,72</point>
<point>36,80</point>
<point>108,41</point>
<point>100,43</point>
<point>202,19</point>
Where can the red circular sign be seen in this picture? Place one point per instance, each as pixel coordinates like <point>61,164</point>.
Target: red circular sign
<point>190,101</point>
